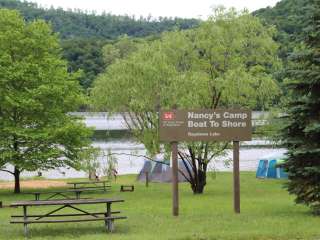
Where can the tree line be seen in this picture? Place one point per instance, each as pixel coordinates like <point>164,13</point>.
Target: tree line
<point>85,24</point>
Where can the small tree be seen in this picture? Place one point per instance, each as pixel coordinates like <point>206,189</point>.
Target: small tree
<point>302,133</point>
<point>36,93</point>
<point>111,166</point>
<point>91,163</point>
<point>227,62</point>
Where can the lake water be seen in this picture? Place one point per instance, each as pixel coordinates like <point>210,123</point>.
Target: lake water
<point>111,134</point>
<point>127,163</point>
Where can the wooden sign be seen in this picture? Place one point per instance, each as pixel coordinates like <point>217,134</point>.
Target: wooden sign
<point>205,125</point>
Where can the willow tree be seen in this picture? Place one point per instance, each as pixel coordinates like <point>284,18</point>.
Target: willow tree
<point>227,62</point>
<point>36,93</point>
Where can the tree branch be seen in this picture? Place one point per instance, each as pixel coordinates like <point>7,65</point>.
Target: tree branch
<point>137,155</point>
<point>219,151</point>
<point>187,167</point>
<point>4,170</point>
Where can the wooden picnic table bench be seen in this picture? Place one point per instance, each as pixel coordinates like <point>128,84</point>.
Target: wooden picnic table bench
<point>62,193</point>
<point>126,188</point>
<point>53,217</point>
<point>91,184</point>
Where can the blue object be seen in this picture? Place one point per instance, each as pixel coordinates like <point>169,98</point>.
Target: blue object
<point>272,171</point>
<point>262,169</point>
<point>283,174</point>
<point>270,166</point>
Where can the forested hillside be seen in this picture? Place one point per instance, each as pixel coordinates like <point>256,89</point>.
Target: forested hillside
<point>286,16</point>
<point>77,23</point>
<point>83,34</point>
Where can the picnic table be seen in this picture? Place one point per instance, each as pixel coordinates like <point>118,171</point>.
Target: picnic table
<point>91,184</point>
<point>53,217</point>
<point>62,193</point>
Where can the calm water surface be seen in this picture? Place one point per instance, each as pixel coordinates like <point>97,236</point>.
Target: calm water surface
<point>110,135</point>
<point>128,163</point>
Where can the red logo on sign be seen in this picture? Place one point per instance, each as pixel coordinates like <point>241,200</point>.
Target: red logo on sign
<point>168,115</point>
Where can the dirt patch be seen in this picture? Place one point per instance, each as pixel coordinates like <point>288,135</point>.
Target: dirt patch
<point>34,184</point>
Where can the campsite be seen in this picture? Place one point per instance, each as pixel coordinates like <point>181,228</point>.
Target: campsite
<point>265,207</point>
<point>160,120</point>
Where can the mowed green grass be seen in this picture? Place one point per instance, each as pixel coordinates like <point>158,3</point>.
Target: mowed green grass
<point>267,212</point>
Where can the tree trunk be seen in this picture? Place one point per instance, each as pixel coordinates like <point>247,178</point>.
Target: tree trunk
<point>16,180</point>
<point>198,171</point>
<point>92,175</point>
<point>201,182</point>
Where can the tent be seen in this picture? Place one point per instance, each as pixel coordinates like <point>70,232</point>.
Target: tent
<point>161,171</point>
<point>268,167</point>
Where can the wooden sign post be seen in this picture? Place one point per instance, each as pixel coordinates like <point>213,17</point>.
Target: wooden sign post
<point>205,125</point>
<point>175,183</point>
<point>147,178</point>
<point>236,176</point>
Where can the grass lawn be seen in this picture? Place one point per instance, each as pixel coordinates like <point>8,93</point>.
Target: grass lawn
<point>267,212</point>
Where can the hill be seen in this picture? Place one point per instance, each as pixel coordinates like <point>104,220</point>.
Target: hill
<point>83,34</point>
<point>84,24</point>
<point>286,16</point>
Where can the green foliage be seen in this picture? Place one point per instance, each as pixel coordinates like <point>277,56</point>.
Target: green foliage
<point>286,16</point>
<point>84,54</point>
<point>111,166</point>
<point>84,24</point>
<point>239,56</point>
<point>90,163</point>
<point>192,69</point>
<point>36,93</point>
<point>123,47</point>
<point>269,126</point>
<point>84,34</point>
<point>301,134</point>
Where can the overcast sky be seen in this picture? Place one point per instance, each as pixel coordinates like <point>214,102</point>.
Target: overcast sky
<point>156,8</point>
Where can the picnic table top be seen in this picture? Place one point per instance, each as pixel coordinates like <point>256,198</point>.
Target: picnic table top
<point>64,202</point>
<point>63,190</point>
<point>88,182</point>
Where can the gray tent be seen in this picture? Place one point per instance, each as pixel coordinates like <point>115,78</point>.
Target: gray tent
<point>160,172</point>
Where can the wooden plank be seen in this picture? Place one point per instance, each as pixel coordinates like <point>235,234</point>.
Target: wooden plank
<point>66,215</point>
<point>127,188</point>
<point>68,220</point>
<point>64,202</point>
<point>89,188</point>
<point>89,182</point>
<point>70,190</point>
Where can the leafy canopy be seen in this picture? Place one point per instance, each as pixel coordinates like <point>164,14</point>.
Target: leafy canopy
<point>226,62</point>
<point>36,93</point>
